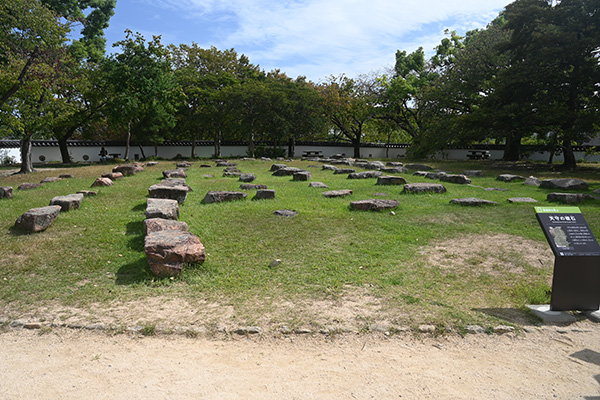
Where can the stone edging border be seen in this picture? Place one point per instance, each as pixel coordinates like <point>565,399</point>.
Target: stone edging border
<point>152,330</point>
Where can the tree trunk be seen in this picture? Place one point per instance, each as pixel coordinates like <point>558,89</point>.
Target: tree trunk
<point>126,157</point>
<point>569,157</point>
<point>291,147</point>
<point>193,154</point>
<point>356,145</point>
<point>156,150</point>
<point>217,144</point>
<point>553,145</point>
<point>251,144</point>
<point>64,150</point>
<point>26,163</point>
<point>512,149</point>
<point>142,151</point>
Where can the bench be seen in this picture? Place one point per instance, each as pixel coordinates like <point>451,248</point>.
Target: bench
<point>312,153</point>
<point>478,154</point>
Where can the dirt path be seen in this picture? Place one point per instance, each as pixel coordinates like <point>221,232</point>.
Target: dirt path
<point>546,363</point>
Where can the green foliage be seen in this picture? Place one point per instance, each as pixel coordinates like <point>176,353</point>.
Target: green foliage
<point>270,152</point>
<point>229,98</point>
<point>534,69</point>
<point>31,37</point>
<point>93,16</point>
<point>349,104</point>
<point>144,92</point>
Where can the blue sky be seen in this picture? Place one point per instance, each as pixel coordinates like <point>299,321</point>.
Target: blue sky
<point>313,38</point>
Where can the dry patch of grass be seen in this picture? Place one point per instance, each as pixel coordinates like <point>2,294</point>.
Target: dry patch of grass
<point>490,254</point>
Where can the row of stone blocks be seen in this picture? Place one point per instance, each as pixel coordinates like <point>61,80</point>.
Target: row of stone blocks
<point>39,219</point>
<point>169,244</point>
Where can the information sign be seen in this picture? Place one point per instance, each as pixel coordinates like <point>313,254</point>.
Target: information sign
<point>567,231</point>
<point>576,279</point>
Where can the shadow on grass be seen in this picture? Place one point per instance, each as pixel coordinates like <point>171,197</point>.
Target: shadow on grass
<point>135,231</point>
<point>134,273</point>
<point>135,228</point>
<point>16,231</point>
<point>512,315</point>
<point>140,207</point>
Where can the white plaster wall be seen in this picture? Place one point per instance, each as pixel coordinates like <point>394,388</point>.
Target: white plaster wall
<point>168,152</point>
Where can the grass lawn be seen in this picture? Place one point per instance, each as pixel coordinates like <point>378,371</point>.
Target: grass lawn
<point>431,263</point>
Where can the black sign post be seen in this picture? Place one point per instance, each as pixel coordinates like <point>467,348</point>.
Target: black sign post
<point>576,280</point>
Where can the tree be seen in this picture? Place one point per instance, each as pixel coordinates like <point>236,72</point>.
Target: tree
<point>554,65</point>
<point>297,109</point>
<point>250,100</point>
<point>576,77</point>
<point>460,105</point>
<point>400,98</point>
<point>32,64</point>
<point>349,105</point>
<point>205,75</point>
<point>30,34</point>
<point>143,90</point>
<point>93,15</point>
<point>77,104</point>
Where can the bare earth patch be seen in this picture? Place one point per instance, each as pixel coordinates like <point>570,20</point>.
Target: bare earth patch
<point>547,363</point>
<point>492,254</point>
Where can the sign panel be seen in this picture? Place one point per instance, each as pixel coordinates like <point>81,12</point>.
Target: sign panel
<point>567,231</point>
<point>577,259</point>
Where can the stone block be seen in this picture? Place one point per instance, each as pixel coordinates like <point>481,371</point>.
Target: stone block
<point>174,173</point>
<point>102,182</point>
<point>152,225</point>
<point>287,171</point>
<point>424,188</point>
<point>223,196</point>
<point>285,213</point>
<point>277,167</point>
<point>251,186</point>
<point>418,167</point>
<point>37,219</point>
<point>165,190</point>
<point>374,205</point>
<point>302,176</point>
<point>265,194</point>
<point>88,193</point>
<point>168,251</point>
<point>113,176</point>
<point>50,179</point>
<point>337,193</point>
<point>365,175</point>
<point>390,180</point>
<point>68,202</point>
<point>452,178</point>
<point>568,198</point>
<point>473,172</point>
<point>510,178</point>
<point>28,186</point>
<point>472,201</point>
<point>6,192</point>
<point>127,169</point>
<point>564,184</point>
<point>162,208</point>
<point>247,177</point>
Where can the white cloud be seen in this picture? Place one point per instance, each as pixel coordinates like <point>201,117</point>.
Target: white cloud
<point>322,37</point>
